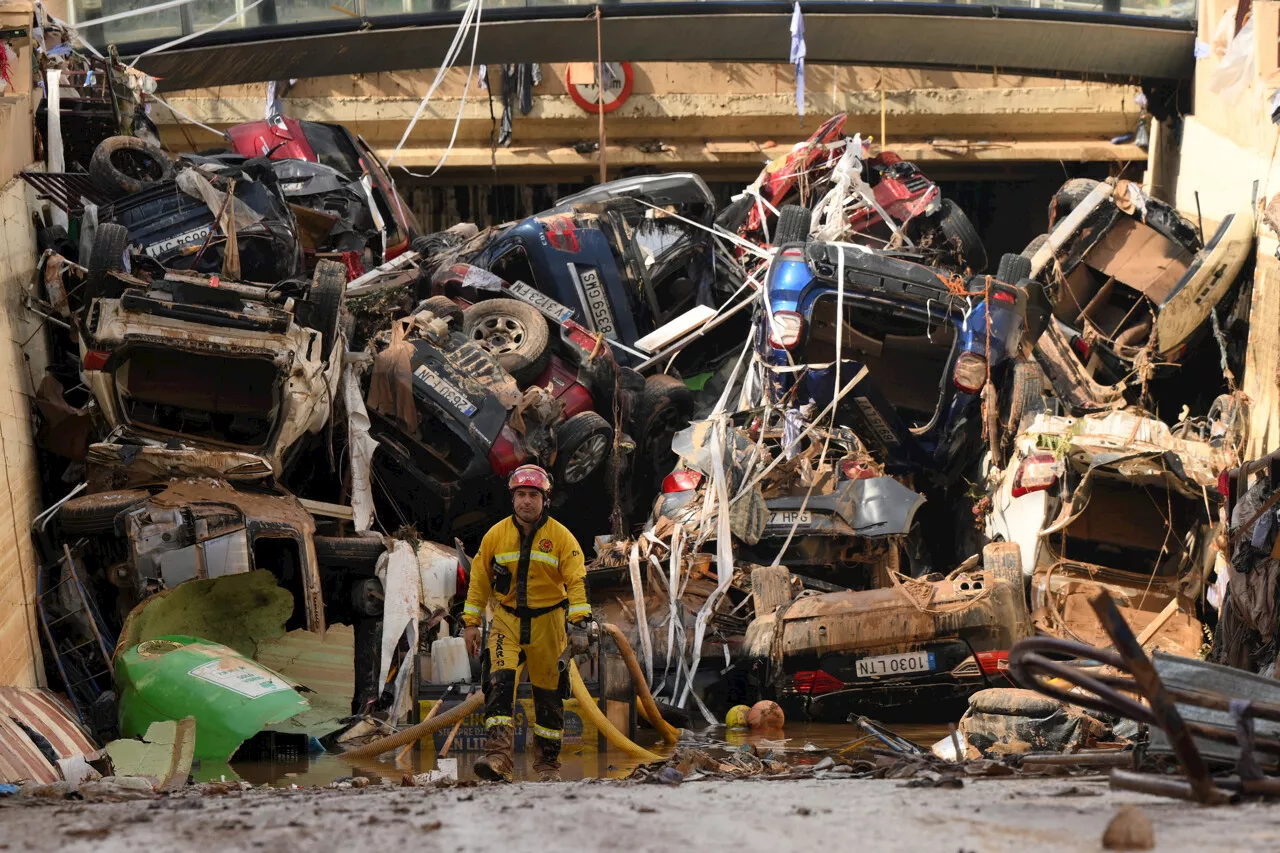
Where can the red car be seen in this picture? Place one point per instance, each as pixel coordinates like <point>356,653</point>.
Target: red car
<point>332,145</point>
<point>939,228</point>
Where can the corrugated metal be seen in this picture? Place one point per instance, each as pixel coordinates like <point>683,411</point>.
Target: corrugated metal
<point>43,712</point>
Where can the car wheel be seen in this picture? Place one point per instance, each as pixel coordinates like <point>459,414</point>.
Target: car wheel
<point>1013,268</point>
<point>56,238</point>
<point>664,408</point>
<point>512,332</point>
<point>1004,560</point>
<point>97,513</point>
<point>1068,196</point>
<point>1034,246</point>
<point>123,165</point>
<point>582,444</point>
<point>443,307</point>
<point>328,287</point>
<point>960,233</point>
<point>106,256</point>
<point>349,552</point>
<point>367,597</point>
<point>1023,397</point>
<point>794,223</point>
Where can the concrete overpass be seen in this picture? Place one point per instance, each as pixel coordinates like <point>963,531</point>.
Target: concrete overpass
<point>1094,39</point>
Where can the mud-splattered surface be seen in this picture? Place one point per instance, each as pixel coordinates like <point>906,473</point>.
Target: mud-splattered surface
<point>986,816</point>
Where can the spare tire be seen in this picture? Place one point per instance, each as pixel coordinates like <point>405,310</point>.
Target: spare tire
<point>123,165</point>
<point>349,552</point>
<point>960,233</point>
<point>328,287</point>
<point>794,223</point>
<point>97,513</point>
<point>512,332</point>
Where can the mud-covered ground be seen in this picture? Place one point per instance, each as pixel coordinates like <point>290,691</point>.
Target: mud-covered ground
<point>985,816</point>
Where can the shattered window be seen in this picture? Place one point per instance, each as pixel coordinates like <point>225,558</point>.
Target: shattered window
<point>513,266</point>
<point>333,147</point>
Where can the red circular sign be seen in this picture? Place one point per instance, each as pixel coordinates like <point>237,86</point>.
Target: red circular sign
<point>586,94</point>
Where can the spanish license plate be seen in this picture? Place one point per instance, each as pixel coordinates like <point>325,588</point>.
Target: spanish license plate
<point>541,301</point>
<point>446,390</point>
<point>597,303</point>
<point>787,518</point>
<point>908,663</point>
<point>189,240</point>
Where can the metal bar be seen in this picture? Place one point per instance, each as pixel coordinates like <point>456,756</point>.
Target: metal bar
<point>1161,786</point>
<point>1162,706</point>
<point>84,601</point>
<point>1116,758</point>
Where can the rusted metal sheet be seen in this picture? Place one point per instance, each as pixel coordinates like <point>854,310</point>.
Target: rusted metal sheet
<point>67,190</point>
<point>42,712</point>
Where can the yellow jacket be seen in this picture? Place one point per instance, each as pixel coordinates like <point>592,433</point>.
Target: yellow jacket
<point>545,569</point>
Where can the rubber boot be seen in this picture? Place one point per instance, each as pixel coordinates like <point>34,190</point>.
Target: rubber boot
<point>547,764</point>
<point>496,764</point>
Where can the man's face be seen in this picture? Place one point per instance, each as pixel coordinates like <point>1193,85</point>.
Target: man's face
<point>527,503</point>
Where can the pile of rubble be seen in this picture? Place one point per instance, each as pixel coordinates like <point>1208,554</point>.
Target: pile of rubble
<point>843,467</point>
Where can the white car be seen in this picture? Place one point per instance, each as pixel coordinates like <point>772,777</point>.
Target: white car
<point>219,367</point>
<point>1116,501</point>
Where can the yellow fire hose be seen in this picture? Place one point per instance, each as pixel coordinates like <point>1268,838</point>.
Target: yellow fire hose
<point>647,707</point>
<point>587,708</point>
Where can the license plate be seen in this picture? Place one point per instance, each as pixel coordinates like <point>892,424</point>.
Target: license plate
<point>190,239</point>
<point>786,518</point>
<point>541,301</point>
<point>597,303</point>
<point>445,389</point>
<point>903,664</point>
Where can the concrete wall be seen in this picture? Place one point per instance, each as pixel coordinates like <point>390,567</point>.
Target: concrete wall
<point>23,357</point>
<point>1228,161</point>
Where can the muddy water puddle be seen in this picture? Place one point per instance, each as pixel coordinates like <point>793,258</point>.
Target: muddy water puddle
<point>579,762</point>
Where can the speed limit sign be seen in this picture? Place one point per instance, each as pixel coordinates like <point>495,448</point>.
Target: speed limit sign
<point>580,79</point>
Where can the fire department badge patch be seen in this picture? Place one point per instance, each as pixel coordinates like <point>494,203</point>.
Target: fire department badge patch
<point>545,546</point>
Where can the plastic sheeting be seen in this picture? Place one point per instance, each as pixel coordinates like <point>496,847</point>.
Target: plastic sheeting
<point>360,447</point>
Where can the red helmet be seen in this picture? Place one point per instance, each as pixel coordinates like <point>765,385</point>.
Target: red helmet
<point>530,476</point>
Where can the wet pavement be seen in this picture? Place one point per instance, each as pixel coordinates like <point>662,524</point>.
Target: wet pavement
<point>320,768</point>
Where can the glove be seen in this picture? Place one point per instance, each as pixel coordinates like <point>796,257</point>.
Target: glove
<point>579,639</point>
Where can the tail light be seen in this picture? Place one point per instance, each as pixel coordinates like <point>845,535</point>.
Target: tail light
<point>1004,296</point>
<point>1082,348</point>
<point>464,580</point>
<point>96,359</point>
<point>993,663</point>
<point>1224,484</point>
<point>784,330</point>
<point>507,452</point>
<point>817,683</point>
<point>856,469</point>
<point>683,480</point>
<point>971,372</point>
<point>1037,472</point>
<point>793,254</point>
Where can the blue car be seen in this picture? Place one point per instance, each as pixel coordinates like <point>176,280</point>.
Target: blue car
<point>928,342</point>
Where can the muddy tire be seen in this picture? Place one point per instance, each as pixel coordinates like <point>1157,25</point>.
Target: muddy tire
<point>328,287</point>
<point>123,165</point>
<point>582,444</point>
<point>349,552</point>
<point>1025,391</point>
<point>56,238</point>
<point>105,257</point>
<point>960,233</point>
<point>794,222</point>
<point>97,513</point>
<point>1013,268</point>
<point>1068,196</point>
<point>512,332</point>
<point>443,307</point>
<point>665,407</point>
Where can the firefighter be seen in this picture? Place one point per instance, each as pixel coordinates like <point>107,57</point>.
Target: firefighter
<point>532,569</point>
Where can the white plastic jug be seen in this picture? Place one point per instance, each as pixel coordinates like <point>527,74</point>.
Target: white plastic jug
<point>449,661</point>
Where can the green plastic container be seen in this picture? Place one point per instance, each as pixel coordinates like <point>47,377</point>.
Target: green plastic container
<point>231,696</point>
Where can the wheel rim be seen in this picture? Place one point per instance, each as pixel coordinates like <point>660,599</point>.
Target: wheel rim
<point>499,334</point>
<point>585,458</point>
<point>137,164</point>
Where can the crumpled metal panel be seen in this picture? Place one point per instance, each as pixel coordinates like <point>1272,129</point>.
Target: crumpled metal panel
<point>41,711</point>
